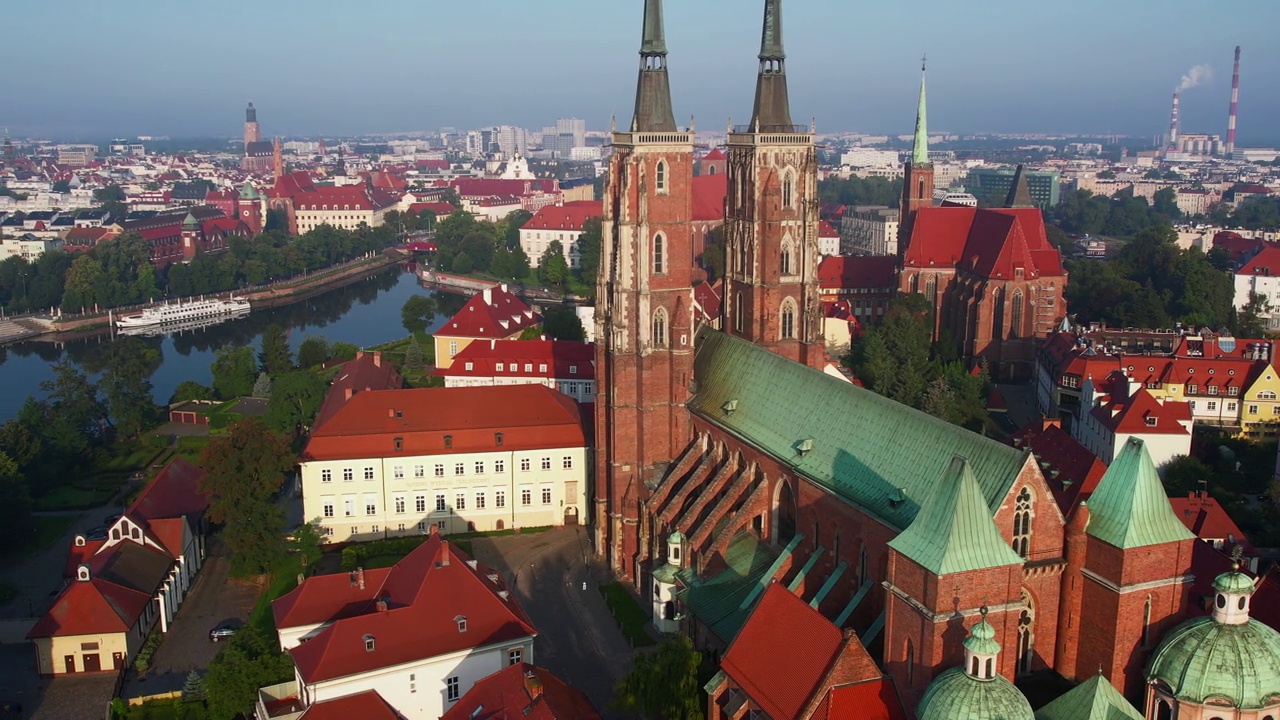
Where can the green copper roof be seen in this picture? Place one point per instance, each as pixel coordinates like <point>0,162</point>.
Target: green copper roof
<point>1203,659</point>
<point>882,456</point>
<point>954,695</point>
<point>716,601</point>
<point>920,148</point>
<point>771,36</point>
<point>1234,583</point>
<point>666,574</point>
<point>982,639</point>
<point>190,221</point>
<point>654,41</point>
<point>675,538</point>
<point>1129,509</point>
<point>249,192</point>
<point>954,531</point>
<point>1094,699</point>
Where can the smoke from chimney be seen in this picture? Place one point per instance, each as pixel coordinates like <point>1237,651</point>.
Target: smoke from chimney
<point>1195,77</point>
<point>1235,100</point>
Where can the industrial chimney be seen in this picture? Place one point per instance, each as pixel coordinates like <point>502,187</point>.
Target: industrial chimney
<point>1173,125</point>
<point>1235,100</point>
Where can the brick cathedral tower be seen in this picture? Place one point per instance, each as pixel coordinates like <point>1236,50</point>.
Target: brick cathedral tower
<point>251,132</point>
<point>644,311</point>
<point>771,223</point>
<point>917,181</point>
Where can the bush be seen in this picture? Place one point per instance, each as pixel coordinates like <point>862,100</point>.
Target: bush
<point>142,660</point>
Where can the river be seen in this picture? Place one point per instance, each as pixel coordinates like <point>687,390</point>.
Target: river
<point>363,313</point>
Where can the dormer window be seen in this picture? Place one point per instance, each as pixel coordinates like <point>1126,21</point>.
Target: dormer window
<point>368,643</point>
<point>1151,422</point>
<point>399,444</point>
<point>497,439</point>
<point>462,623</point>
<point>448,441</point>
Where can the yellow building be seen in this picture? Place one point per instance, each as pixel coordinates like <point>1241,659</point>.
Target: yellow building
<point>493,314</point>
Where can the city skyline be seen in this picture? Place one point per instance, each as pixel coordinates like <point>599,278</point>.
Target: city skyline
<point>409,68</point>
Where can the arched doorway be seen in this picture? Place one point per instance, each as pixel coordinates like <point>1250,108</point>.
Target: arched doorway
<point>571,515</point>
<point>784,513</point>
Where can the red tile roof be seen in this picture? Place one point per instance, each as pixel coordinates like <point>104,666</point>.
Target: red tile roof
<point>494,313</point>
<point>709,192</point>
<point>323,197</point>
<point>524,358</point>
<point>990,242</point>
<point>292,184</point>
<point>441,209</point>
<point>1266,262</point>
<point>91,607</point>
<point>1135,414</point>
<point>367,705</point>
<point>522,692</point>
<point>1072,471</point>
<point>826,230</point>
<point>366,372</point>
<point>707,297</point>
<point>489,187</point>
<point>174,493</point>
<point>778,673</point>
<point>867,700</point>
<point>1265,604</point>
<point>1206,517</point>
<point>528,416</point>
<point>424,593</point>
<point>838,272</point>
<point>80,554</point>
<point>715,154</point>
<point>568,216</point>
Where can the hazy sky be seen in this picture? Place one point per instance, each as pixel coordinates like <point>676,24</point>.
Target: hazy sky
<point>92,68</point>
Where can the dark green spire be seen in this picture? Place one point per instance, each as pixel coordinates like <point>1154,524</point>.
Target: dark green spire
<point>772,110</point>
<point>920,148</point>
<point>1019,192</point>
<point>653,111</point>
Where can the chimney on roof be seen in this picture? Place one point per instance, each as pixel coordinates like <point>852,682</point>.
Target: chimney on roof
<point>350,392</point>
<point>377,358</point>
<point>434,529</point>
<point>360,577</point>
<point>532,684</point>
<point>359,354</point>
<point>488,296</point>
<point>1047,422</point>
<point>381,604</point>
<point>391,412</point>
<point>443,557</point>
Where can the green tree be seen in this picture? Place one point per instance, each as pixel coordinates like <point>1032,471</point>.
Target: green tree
<point>126,384</point>
<point>413,358</point>
<point>191,390</point>
<point>1251,321</point>
<point>1165,202</point>
<point>313,351</point>
<point>61,186</point>
<point>262,386</point>
<point>110,193</point>
<point>234,371</point>
<point>553,270</point>
<point>590,244</point>
<point>1184,474</point>
<point>461,264</point>
<point>712,257</point>
<point>343,351</point>
<point>84,279</point>
<point>17,529</point>
<point>664,683</point>
<point>514,221</point>
<point>417,314</point>
<point>276,357</point>
<point>245,469</point>
<point>250,661</point>
<point>1107,175</point>
<point>893,357</point>
<point>295,399</point>
<point>307,542</point>
<point>77,416</point>
<point>560,322</point>
<point>193,688</point>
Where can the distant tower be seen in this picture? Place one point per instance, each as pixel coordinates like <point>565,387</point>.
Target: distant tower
<point>1173,125</point>
<point>771,223</point>
<point>277,159</point>
<point>644,310</point>
<point>917,183</point>
<point>1235,100</point>
<point>9,153</point>
<point>251,132</point>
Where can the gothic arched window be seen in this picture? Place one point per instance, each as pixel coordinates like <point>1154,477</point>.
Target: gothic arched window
<point>1026,634</point>
<point>911,663</point>
<point>659,254</point>
<point>931,289</point>
<point>660,328</point>
<point>787,326</point>
<point>1022,523</point>
<point>660,177</point>
<point>788,190</point>
<point>737,312</point>
<point>997,315</point>
<point>1015,315</point>
<point>786,257</point>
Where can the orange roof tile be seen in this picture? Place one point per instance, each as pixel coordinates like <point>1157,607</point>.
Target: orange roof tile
<point>494,313</point>
<point>367,705</point>
<point>510,693</point>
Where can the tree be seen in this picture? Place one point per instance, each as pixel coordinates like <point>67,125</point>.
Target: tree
<point>77,415</point>
<point>413,355</point>
<point>250,661</point>
<point>110,193</point>
<point>1107,175</point>
<point>295,399</point>
<point>276,357</point>
<point>417,314</point>
<point>234,372</point>
<point>307,541</point>
<point>663,684</point>
<point>191,390</point>
<point>461,263</point>
<point>590,244</point>
<point>193,688</point>
<point>1251,321</point>
<point>552,269</point>
<point>712,257</point>
<point>560,322</point>
<point>313,351</point>
<point>17,529</point>
<point>1184,474</point>
<point>343,351</point>
<point>893,357</point>
<point>262,386</point>
<point>1165,202</point>
<point>514,221</point>
<point>126,383</point>
<point>245,469</point>
<point>61,186</point>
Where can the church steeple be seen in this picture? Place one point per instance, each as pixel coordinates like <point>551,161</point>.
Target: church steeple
<point>773,107</point>
<point>920,147</point>
<point>653,111</point>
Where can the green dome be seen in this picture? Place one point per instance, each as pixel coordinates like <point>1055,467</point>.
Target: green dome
<point>666,574</point>
<point>1234,583</point>
<point>1203,659</point>
<point>954,695</point>
<point>676,538</point>
<point>249,192</point>
<point>982,639</point>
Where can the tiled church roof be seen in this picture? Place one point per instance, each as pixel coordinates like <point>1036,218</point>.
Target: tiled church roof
<point>1130,509</point>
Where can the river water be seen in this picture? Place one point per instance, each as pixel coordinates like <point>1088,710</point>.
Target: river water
<point>363,313</point>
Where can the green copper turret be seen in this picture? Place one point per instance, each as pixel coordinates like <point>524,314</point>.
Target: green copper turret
<point>920,148</point>
<point>653,111</point>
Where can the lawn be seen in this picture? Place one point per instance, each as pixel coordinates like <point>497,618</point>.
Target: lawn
<point>76,497</point>
<point>49,528</point>
<point>631,618</point>
<point>165,710</point>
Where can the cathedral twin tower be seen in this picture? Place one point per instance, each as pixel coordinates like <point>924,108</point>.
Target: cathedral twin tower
<point>645,312</point>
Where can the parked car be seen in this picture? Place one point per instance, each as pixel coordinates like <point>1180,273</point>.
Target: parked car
<point>224,630</point>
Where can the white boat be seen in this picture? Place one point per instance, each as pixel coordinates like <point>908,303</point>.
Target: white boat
<point>172,313</point>
<point>182,326</point>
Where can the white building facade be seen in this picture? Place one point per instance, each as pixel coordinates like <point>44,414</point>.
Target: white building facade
<point>869,230</point>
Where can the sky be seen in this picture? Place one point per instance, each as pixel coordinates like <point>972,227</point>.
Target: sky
<point>91,69</point>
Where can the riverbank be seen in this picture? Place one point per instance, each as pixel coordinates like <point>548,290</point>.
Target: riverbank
<point>274,295</point>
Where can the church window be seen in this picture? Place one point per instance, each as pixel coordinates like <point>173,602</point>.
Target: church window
<point>1026,634</point>
<point>1146,622</point>
<point>660,328</point>
<point>1015,322</point>
<point>659,255</point>
<point>660,177</point>
<point>787,328</point>
<point>862,566</point>
<point>786,258</point>
<point>788,190</point>
<point>911,664</point>
<point>1022,523</point>
<point>737,312</point>
<point>997,316</point>
<point>931,289</point>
